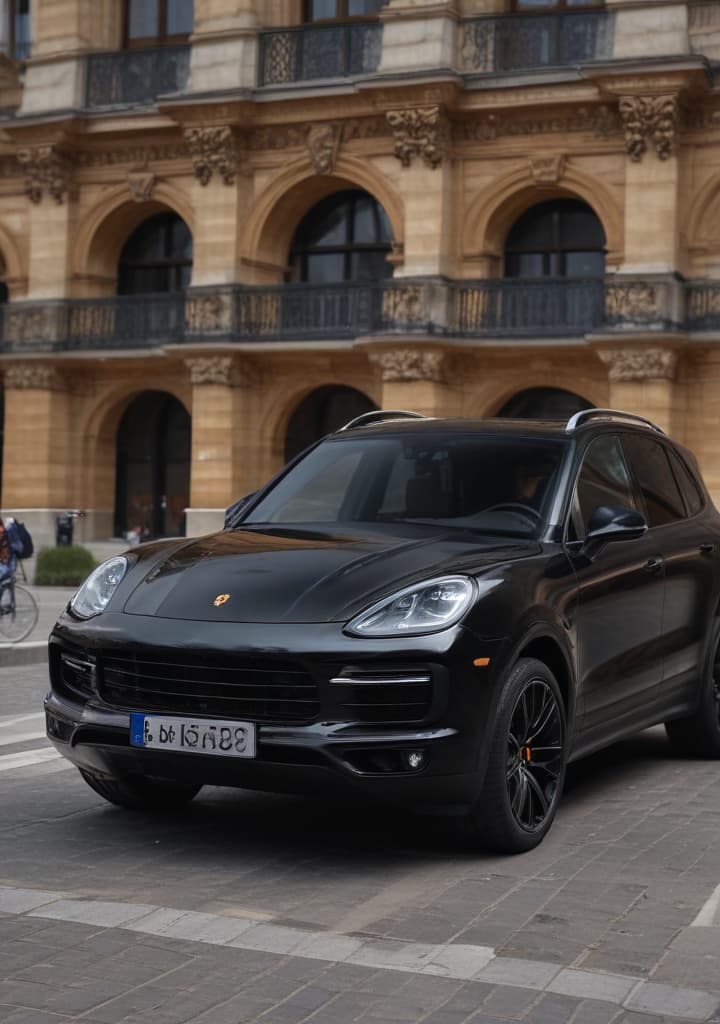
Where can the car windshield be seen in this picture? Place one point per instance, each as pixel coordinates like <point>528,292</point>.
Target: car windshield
<point>481,482</point>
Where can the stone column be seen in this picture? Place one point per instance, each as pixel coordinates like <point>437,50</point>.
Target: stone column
<point>224,53</point>
<point>643,381</point>
<point>416,379</point>
<point>422,145</point>
<point>63,31</point>
<point>37,447</point>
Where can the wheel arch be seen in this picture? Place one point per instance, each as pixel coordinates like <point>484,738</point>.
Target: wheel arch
<point>547,648</point>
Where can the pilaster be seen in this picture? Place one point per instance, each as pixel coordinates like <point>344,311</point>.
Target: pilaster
<point>224,51</point>
<point>643,380</point>
<point>415,379</point>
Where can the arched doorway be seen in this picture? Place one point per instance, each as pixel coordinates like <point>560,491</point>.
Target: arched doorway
<point>321,412</point>
<point>556,253</point>
<point>157,257</point>
<point>544,404</point>
<point>152,487</point>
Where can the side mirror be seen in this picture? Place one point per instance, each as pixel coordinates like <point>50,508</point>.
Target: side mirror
<point>610,523</point>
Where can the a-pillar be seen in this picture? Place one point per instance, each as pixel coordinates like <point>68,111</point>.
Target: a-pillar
<point>416,379</point>
<point>37,477</point>
<point>643,380</point>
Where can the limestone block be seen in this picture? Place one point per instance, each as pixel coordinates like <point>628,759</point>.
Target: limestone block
<point>651,31</point>
<point>223,64</point>
<point>54,85</point>
<point>409,44</point>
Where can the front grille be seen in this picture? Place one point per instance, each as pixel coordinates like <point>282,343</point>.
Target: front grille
<point>372,695</point>
<point>209,684</point>
<point>77,673</point>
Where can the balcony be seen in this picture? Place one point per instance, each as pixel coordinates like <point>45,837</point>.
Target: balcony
<point>503,308</point>
<point>312,52</point>
<point>135,77</point>
<point>523,42</point>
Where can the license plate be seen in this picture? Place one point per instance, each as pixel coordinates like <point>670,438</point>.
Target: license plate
<point>193,735</point>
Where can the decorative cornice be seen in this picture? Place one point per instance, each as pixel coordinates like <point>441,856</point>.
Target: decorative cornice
<point>141,185</point>
<point>47,169</point>
<point>653,118</point>
<point>636,364</point>
<point>138,155</point>
<point>323,143</point>
<point>410,364</point>
<point>546,169</point>
<point>600,121</point>
<point>213,148</point>
<point>420,131</point>
<point>37,376</point>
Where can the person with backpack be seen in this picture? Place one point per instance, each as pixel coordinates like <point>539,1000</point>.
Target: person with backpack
<point>8,553</point>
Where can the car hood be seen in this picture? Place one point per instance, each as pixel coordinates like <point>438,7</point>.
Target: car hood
<point>278,574</point>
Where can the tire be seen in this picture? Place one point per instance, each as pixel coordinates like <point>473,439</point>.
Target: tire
<point>521,791</point>
<point>698,735</point>
<point>141,793</point>
<point>18,622</point>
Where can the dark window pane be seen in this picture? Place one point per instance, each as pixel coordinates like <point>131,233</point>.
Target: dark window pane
<point>157,257</point>
<point>584,264</point>
<point>143,19</point>
<point>527,264</point>
<point>359,7</point>
<point>327,226</point>
<point>604,479</point>
<point>179,17</point>
<point>660,492</point>
<point>558,238</point>
<point>323,9</point>
<point>579,227</point>
<point>369,266</point>
<point>688,485</point>
<point>324,268</point>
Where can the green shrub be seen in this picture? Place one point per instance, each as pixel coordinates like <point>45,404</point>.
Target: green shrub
<point>63,566</point>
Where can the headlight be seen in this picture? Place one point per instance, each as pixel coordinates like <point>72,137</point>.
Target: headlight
<point>425,607</point>
<point>93,596</point>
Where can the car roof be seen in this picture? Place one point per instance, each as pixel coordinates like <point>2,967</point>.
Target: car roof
<point>501,426</point>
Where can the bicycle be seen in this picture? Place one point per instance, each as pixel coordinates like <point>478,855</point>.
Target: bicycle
<point>18,610</point>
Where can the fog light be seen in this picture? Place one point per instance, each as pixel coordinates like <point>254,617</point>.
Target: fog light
<point>415,759</point>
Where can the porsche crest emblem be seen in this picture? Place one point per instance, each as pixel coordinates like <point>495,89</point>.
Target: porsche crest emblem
<point>221,599</point>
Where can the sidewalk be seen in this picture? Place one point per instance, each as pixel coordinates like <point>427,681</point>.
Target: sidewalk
<point>50,601</point>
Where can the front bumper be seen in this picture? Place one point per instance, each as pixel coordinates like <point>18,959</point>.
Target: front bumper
<point>325,756</point>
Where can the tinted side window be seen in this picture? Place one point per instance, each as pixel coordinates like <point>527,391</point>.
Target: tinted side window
<point>690,490</point>
<point>603,479</point>
<point>660,492</point>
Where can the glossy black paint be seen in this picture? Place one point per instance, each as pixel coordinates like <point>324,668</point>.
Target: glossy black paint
<point>622,620</point>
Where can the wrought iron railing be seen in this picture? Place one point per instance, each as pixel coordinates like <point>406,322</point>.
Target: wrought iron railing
<point>494,308</point>
<point>135,77</point>
<point>538,306</point>
<point>524,41</point>
<point>340,50</point>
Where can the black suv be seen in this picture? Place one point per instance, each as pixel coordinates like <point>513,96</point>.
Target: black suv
<point>436,612</point>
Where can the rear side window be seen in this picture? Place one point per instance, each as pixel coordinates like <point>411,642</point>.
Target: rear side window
<point>603,480</point>
<point>661,495</point>
<point>688,486</point>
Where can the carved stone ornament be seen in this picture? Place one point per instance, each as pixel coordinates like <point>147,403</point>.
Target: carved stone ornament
<point>423,132</point>
<point>634,364</point>
<point>546,170</point>
<point>410,364</point>
<point>208,314</point>
<point>24,376</point>
<point>141,185</point>
<point>213,148</point>
<point>323,143</point>
<point>210,370</point>
<point>650,118</point>
<point>46,169</point>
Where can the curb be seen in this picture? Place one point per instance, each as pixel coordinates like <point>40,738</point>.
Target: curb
<point>33,652</point>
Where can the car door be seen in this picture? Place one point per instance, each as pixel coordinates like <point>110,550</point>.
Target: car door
<point>619,607</point>
<point>687,552</point>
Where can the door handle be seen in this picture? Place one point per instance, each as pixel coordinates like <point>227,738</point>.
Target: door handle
<point>653,564</point>
<point>707,548</point>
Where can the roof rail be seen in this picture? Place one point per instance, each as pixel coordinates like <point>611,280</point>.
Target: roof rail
<point>614,415</point>
<point>377,415</point>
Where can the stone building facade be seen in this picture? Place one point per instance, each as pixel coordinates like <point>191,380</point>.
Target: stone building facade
<point>227,226</point>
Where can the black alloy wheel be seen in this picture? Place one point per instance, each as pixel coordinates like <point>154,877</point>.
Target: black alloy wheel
<point>535,754</point>
<point>698,735</point>
<point>526,763</point>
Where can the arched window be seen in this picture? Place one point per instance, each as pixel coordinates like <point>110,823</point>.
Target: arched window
<point>559,238</point>
<point>345,237</point>
<point>544,404</point>
<point>158,22</point>
<point>323,411</point>
<point>323,10</point>
<point>153,466</point>
<point>157,257</point>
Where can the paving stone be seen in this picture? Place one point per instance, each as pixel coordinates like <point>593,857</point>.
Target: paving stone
<point>523,973</point>
<point>689,1003</point>
<point>613,988</point>
<point>18,901</point>
<point>107,915</point>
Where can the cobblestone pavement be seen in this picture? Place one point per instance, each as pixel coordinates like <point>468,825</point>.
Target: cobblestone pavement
<point>251,907</point>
